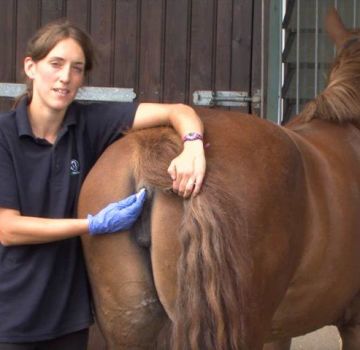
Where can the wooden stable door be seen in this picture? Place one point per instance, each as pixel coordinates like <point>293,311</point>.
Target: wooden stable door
<point>163,49</point>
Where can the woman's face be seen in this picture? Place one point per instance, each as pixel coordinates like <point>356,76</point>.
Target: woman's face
<point>58,76</point>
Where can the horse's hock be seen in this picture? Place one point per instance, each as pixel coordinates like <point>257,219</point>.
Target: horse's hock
<point>326,338</point>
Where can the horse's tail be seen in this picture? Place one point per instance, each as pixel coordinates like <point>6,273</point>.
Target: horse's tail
<point>212,274</point>
<point>213,270</point>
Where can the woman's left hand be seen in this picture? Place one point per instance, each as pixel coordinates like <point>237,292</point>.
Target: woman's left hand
<point>188,169</point>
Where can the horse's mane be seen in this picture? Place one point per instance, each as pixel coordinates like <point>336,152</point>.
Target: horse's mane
<point>213,269</point>
<point>340,100</point>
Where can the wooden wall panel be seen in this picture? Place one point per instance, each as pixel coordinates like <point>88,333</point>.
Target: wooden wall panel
<point>102,31</point>
<point>177,51</point>
<point>164,49</point>
<point>151,50</point>
<point>224,28</point>
<point>78,12</point>
<point>6,104</point>
<point>255,78</point>
<point>52,10</point>
<point>28,20</point>
<point>127,30</point>
<point>202,19</point>
<point>7,43</point>
<point>241,46</point>
<point>7,46</point>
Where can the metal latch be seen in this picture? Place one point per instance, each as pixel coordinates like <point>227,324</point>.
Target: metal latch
<point>89,93</point>
<point>225,98</point>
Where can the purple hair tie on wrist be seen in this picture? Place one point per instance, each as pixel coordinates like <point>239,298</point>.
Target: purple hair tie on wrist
<point>192,136</point>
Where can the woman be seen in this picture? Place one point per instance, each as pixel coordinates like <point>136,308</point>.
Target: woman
<point>47,146</point>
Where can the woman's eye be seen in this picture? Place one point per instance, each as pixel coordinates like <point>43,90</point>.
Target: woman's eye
<point>78,69</point>
<point>55,64</point>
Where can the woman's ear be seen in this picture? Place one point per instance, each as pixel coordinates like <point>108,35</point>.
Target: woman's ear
<point>29,67</point>
<point>335,28</point>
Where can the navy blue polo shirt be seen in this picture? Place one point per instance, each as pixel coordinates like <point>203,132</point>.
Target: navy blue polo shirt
<point>44,291</point>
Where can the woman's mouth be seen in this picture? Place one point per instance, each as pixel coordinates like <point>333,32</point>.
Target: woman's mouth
<point>61,92</point>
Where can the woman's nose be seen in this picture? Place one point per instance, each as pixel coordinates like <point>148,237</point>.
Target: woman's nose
<point>65,74</point>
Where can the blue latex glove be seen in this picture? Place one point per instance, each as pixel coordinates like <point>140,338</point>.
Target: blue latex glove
<point>117,216</point>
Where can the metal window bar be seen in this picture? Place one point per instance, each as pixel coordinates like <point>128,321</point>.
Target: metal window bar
<point>89,93</point>
<point>274,47</point>
<point>262,83</point>
<point>297,56</point>
<point>316,59</point>
<point>280,66</point>
<point>296,89</point>
<point>336,6</point>
<point>354,11</point>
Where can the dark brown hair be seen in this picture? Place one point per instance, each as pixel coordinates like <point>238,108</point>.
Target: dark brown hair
<point>48,36</point>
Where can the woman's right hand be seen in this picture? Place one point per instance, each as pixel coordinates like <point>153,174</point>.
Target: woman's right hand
<point>117,216</point>
<point>187,170</point>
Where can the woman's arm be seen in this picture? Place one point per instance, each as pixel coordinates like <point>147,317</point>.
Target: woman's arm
<point>188,169</point>
<point>181,117</point>
<point>118,216</point>
<point>16,229</point>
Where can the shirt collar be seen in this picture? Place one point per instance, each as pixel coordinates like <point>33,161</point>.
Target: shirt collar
<point>22,119</point>
<point>23,123</point>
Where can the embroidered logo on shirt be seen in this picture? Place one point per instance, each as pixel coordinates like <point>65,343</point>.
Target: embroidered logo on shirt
<point>74,167</point>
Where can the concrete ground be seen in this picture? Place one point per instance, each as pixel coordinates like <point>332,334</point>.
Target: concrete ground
<point>326,338</point>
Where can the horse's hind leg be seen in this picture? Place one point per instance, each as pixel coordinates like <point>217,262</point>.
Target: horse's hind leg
<point>278,345</point>
<point>350,336</point>
<point>128,311</point>
<point>349,325</point>
<point>165,247</point>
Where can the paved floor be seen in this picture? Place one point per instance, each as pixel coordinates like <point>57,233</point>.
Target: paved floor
<point>326,338</point>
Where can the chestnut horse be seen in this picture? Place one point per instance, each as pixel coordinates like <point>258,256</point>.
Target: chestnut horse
<point>267,251</point>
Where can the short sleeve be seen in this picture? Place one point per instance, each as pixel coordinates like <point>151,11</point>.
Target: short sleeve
<point>8,187</point>
<point>107,122</point>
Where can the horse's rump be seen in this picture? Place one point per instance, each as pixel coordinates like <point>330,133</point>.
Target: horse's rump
<point>224,232</point>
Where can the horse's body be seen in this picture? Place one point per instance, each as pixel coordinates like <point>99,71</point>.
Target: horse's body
<point>289,196</point>
<point>268,250</point>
